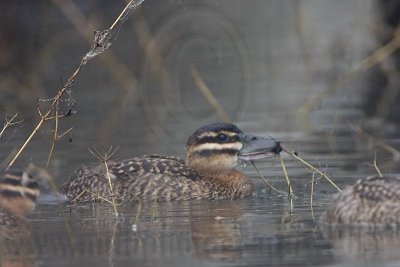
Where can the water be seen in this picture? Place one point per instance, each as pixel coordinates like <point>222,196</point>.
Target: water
<point>263,62</point>
<point>263,230</point>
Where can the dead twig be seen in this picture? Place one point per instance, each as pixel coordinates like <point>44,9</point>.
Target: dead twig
<point>9,122</point>
<point>376,166</point>
<point>93,193</point>
<point>289,185</point>
<point>294,155</point>
<point>102,41</point>
<point>104,158</point>
<point>265,180</point>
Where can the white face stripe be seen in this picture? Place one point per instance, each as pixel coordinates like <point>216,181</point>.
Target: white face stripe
<point>21,189</point>
<point>214,134</point>
<point>215,146</point>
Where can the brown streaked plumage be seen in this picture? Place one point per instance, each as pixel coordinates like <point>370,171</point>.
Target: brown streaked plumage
<point>372,201</point>
<point>19,191</point>
<point>208,172</point>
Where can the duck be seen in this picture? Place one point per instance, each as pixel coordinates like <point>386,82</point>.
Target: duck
<point>372,201</point>
<point>19,191</point>
<point>208,172</point>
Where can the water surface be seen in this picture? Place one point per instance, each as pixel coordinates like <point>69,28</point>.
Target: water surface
<point>263,62</point>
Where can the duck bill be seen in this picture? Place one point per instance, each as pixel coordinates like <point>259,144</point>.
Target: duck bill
<point>258,147</point>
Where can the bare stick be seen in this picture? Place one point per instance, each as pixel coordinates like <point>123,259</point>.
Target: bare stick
<point>111,188</point>
<point>79,195</point>
<point>93,193</point>
<point>376,166</point>
<point>290,190</point>
<point>64,133</point>
<point>265,180</point>
<point>102,41</point>
<point>129,8</point>
<point>104,158</point>
<point>9,122</point>
<point>26,142</point>
<point>314,169</point>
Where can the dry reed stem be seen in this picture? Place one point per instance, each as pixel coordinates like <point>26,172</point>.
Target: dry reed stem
<point>265,180</point>
<point>129,8</point>
<point>9,122</point>
<point>104,158</point>
<point>102,41</point>
<point>128,94</point>
<point>111,189</point>
<point>93,193</point>
<point>209,96</point>
<point>290,190</point>
<point>312,168</point>
<point>376,166</point>
<point>376,141</point>
<point>64,133</point>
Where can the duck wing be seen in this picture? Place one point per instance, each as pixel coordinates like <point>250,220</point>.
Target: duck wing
<point>147,177</point>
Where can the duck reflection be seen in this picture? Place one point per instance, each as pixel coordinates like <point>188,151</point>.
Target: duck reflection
<point>181,233</point>
<point>205,230</point>
<point>217,233</point>
<point>364,244</point>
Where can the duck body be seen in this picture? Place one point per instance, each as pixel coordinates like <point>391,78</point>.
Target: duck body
<point>151,177</point>
<point>19,191</point>
<point>207,173</point>
<point>372,201</point>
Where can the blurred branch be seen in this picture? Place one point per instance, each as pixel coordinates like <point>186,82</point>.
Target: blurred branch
<point>376,141</point>
<point>212,100</point>
<point>378,56</point>
<point>389,95</point>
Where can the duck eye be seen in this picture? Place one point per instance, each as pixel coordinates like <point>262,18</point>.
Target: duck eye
<point>222,137</point>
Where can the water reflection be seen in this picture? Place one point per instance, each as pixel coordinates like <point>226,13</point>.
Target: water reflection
<point>16,247</point>
<point>262,230</point>
<point>257,231</point>
<point>363,245</point>
<point>217,234</point>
